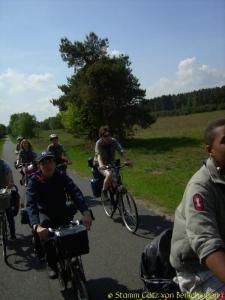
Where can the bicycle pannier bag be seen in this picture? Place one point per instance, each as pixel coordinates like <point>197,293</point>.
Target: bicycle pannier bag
<point>5,198</point>
<point>73,240</point>
<point>24,216</point>
<point>96,186</point>
<point>156,270</point>
<point>15,202</point>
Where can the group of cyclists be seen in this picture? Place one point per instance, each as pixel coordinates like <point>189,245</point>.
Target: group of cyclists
<point>198,240</point>
<point>49,187</point>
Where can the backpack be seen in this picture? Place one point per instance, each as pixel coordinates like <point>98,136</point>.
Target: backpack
<point>155,269</point>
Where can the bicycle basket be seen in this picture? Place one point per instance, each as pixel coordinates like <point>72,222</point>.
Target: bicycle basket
<point>73,241</point>
<point>5,198</point>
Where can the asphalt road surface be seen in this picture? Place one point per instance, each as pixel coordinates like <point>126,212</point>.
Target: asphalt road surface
<point>111,267</point>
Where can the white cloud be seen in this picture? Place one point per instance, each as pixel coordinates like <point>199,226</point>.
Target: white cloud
<point>115,53</point>
<point>189,76</point>
<point>30,93</point>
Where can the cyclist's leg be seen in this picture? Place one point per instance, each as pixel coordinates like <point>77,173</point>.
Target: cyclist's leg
<point>106,183</point>
<point>11,222</point>
<point>48,247</point>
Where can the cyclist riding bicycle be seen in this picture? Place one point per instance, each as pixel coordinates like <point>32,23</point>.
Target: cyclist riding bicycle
<point>46,196</point>
<point>26,156</point>
<point>198,240</point>
<point>19,140</point>
<point>105,151</point>
<point>6,180</point>
<point>57,150</point>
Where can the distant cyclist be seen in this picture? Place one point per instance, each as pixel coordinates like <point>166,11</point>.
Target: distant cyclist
<point>57,150</point>
<point>46,203</point>
<point>26,156</point>
<point>105,152</point>
<point>19,140</point>
<point>26,153</point>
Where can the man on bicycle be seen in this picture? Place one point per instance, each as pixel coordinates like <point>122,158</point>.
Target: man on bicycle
<point>105,151</point>
<point>46,203</point>
<point>6,180</point>
<point>57,150</point>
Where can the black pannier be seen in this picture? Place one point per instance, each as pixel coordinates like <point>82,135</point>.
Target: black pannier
<point>73,241</point>
<point>155,268</point>
<point>97,180</point>
<point>24,216</point>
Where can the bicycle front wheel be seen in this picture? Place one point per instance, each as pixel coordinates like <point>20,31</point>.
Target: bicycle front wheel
<point>129,212</point>
<point>108,204</point>
<point>78,280</point>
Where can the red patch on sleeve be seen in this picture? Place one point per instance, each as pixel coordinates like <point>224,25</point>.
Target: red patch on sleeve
<point>198,202</point>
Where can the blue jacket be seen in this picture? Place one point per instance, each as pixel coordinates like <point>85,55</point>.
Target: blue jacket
<point>48,196</point>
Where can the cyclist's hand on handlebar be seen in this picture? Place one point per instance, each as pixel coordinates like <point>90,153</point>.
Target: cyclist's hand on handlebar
<point>42,232</point>
<point>87,219</point>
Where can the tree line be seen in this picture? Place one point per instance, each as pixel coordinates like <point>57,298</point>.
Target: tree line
<point>26,125</point>
<point>209,99</point>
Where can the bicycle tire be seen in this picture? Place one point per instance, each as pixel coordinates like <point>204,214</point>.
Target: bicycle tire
<point>4,237</point>
<point>62,273</point>
<point>108,204</point>
<point>129,212</point>
<point>78,280</point>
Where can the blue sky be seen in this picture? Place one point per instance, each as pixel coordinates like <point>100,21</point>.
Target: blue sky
<point>174,46</point>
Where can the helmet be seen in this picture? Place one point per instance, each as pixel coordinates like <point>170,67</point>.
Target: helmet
<point>53,136</point>
<point>19,138</point>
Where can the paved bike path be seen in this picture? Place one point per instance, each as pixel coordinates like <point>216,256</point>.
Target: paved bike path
<point>111,267</point>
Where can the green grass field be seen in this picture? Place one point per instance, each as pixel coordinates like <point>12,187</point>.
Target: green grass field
<point>164,156</point>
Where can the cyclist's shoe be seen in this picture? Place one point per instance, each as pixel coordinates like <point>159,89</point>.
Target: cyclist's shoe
<point>52,272</point>
<point>104,196</point>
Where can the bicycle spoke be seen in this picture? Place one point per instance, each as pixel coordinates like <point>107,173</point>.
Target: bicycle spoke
<point>129,212</point>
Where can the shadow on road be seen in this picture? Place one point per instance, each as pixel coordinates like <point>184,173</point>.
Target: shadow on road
<point>150,226</point>
<point>92,201</point>
<point>108,288</point>
<point>21,255</point>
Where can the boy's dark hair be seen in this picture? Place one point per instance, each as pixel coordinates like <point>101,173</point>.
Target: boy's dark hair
<point>102,130</point>
<point>209,134</point>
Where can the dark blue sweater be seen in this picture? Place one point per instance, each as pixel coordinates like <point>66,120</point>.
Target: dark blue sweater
<point>48,196</point>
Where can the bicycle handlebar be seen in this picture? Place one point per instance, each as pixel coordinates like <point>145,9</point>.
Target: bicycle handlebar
<point>108,167</point>
<point>73,223</point>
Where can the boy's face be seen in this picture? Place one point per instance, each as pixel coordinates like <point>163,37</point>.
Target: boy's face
<point>47,167</point>
<point>217,150</point>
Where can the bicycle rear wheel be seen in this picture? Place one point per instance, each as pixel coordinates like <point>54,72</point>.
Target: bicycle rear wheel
<point>78,280</point>
<point>4,237</point>
<point>108,204</point>
<point>129,212</point>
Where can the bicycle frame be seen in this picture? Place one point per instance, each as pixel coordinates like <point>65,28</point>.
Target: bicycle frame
<point>121,199</point>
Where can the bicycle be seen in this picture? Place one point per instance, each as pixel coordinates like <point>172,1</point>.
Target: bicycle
<point>119,198</point>
<point>5,198</point>
<point>26,170</point>
<point>70,242</point>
